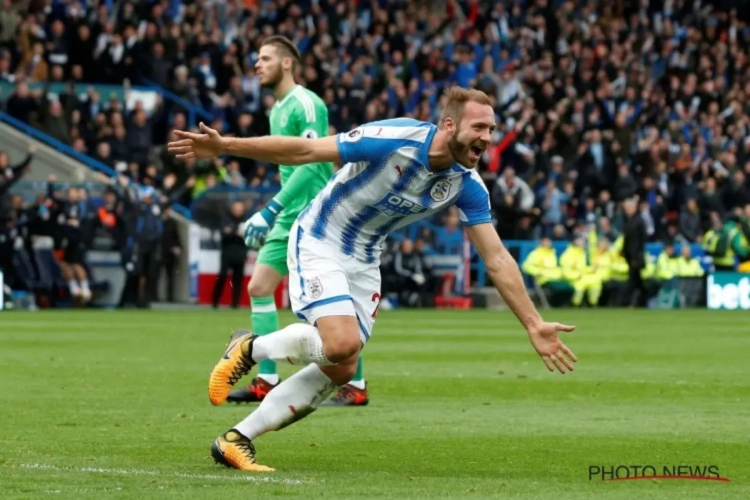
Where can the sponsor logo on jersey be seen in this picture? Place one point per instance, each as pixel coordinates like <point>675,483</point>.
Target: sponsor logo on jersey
<point>394,204</point>
<point>440,190</point>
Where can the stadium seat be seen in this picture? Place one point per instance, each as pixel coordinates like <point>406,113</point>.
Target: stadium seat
<point>28,274</point>
<point>95,286</point>
<point>454,302</point>
<point>49,269</point>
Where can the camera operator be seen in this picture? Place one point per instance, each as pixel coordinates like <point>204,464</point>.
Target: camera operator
<point>233,254</point>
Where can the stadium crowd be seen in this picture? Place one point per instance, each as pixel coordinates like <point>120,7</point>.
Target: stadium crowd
<point>596,101</point>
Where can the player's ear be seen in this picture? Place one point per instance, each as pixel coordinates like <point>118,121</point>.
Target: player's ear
<point>450,125</point>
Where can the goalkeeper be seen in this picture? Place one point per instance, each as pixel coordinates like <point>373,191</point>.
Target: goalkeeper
<point>297,112</point>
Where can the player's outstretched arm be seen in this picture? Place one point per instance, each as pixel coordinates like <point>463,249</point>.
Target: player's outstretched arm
<point>270,149</point>
<point>507,278</point>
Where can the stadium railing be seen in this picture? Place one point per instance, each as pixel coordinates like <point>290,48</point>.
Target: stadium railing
<point>193,111</point>
<point>65,149</point>
<point>54,143</point>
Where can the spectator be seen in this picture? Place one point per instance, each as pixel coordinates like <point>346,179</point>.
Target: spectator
<point>511,185</point>
<point>407,266</point>
<point>233,254</point>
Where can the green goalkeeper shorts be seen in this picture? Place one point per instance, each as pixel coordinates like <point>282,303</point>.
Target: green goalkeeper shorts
<point>273,252</point>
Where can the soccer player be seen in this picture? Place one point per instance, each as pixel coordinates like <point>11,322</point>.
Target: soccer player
<point>396,172</point>
<point>298,113</point>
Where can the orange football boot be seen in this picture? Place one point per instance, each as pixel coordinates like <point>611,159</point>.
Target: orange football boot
<point>235,451</point>
<point>235,364</point>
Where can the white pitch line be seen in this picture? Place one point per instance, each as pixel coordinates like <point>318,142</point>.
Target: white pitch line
<point>139,472</point>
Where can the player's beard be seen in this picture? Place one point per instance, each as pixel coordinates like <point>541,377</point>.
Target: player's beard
<point>273,77</point>
<point>460,152</point>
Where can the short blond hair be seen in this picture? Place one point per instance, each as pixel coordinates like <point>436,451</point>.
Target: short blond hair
<point>456,99</point>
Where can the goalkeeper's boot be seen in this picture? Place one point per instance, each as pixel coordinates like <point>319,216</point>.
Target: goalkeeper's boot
<point>349,395</point>
<point>253,393</point>
<point>235,364</point>
<point>237,452</point>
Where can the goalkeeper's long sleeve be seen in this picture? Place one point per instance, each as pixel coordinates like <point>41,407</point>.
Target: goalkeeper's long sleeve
<point>296,185</point>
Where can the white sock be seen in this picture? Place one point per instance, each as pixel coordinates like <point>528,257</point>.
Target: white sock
<point>296,344</point>
<point>359,384</point>
<point>85,287</point>
<point>294,399</point>
<point>73,287</point>
<point>271,378</point>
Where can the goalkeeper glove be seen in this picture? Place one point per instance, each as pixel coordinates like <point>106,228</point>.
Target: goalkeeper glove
<point>257,226</point>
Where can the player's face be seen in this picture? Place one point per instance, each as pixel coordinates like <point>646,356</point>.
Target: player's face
<point>472,134</point>
<point>269,66</point>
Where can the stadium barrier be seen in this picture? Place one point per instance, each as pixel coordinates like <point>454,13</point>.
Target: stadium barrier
<point>192,111</point>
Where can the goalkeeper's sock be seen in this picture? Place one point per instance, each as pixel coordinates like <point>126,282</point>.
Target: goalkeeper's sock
<point>358,380</point>
<point>292,400</point>
<point>296,344</point>
<point>265,320</point>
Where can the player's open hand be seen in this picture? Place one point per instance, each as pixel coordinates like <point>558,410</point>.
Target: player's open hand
<point>554,353</point>
<point>209,144</point>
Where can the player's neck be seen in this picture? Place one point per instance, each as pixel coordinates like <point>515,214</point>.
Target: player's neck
<point>439,156</point>
<point>283,88</point>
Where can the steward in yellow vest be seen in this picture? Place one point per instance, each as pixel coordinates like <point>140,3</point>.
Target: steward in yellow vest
<point>665,264</point>
<point>542,263</point>
<point>576,272</point>
<point>687,266</point>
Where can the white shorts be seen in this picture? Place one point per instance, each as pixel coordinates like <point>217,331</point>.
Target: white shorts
<point>325,282</point>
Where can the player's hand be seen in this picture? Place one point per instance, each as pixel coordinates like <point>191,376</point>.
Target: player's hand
<point>555,354</point>
<point>209,144</point>
<point>418,279</point>
<point>256,227</point>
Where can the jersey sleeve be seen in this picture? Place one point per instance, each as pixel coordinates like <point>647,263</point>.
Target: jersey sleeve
<point>373,141</point>
<point>473,202</point>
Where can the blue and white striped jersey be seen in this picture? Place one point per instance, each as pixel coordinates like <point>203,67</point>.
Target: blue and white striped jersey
<point>386,184</point>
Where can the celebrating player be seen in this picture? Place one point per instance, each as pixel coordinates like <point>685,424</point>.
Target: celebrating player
<point>396,172</point>
<point>298,112</point>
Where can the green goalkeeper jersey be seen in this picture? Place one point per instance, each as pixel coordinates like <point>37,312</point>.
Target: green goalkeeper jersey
<point>300,113</point>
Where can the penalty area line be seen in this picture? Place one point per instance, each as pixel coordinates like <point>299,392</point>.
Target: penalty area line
<point>141,472</point>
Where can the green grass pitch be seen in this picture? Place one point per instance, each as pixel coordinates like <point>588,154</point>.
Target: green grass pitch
<point>114,405</point>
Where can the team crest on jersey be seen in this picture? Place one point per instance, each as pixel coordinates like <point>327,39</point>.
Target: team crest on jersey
<point>314,288</point>
<point>440,190</point>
